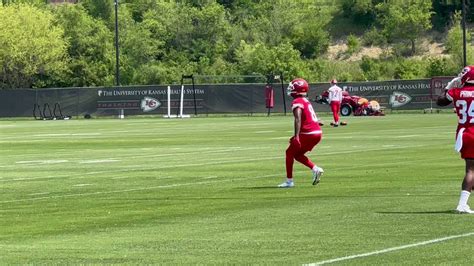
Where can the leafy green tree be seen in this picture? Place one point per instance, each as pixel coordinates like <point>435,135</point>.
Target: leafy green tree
<point>91,49</point>
<point>371,68</point>
<point>38,3</point>
<point>210,33</point>
<point>361,11</point>
<point>193,38</point>
<point>260,59</point>
<point>454,38</point>
<point>161,40</point>
<point>33,51</point>
<point>454,42</point>
<point>100,9</point>
<point>301,23</point>
<point>410,69</point>
<point>138,47</point>
<point>441,66</point>
<point>374,36</point>
<point>405,20</point>
<point>309,34</point>
<point>157,73</point>
<point>353,44</point>
<point>138,8</point>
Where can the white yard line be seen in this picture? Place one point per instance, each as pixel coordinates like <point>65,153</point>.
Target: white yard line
<point>207,181</point>
<point>110,160</point>
<point>126,177</point>
<point>365,137</point>
<point>24,141</point>
<point>409,136</point>
<point>285,137</point>
<point>82,185</point>
<point>66,134</point>
<point>39,193</point>
<point>173,155</point>
<point>42,162</point>
<point>210,177</point>
<point>144,167</point>
<point>134,189</point>
<point>377,252</point>
<point>120,177</point>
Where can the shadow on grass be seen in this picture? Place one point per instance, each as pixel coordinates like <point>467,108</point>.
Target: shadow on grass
<point>425,212</point>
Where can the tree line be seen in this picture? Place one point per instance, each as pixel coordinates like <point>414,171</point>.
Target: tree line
<point>72,45</point>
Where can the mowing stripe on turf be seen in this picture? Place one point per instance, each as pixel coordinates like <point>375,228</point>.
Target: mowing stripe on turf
<point>208,181</point>
<point>211,179</point>
<point>200,151</point>
<point>234,160</point>
<point>428,242</point>
<point>359,137</point>
<point>109,160</point>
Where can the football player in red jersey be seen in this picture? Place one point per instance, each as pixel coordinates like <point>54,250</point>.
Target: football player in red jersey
<point>307,132</point>
<point>462,97</point>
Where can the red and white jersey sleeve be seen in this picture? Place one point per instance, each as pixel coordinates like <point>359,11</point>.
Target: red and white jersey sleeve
<point>454,83</point>
<point>335,94</point>
<point>463,101</point>
<point>309,120</point>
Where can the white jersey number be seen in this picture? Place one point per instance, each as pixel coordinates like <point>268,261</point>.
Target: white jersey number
<point>313,114</point>
<point>465,112</point>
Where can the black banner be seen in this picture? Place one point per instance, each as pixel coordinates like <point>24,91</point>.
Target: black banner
<point>208,99</point>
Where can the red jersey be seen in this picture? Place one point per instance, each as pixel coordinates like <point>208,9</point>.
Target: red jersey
<point>309,120</point>
<point>463,101</point>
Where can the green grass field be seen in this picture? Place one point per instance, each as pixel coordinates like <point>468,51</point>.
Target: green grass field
<point>203,191</point>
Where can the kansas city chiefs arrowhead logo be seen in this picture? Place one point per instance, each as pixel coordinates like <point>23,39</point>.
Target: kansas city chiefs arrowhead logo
<point>149,104</point>
<point>398,99</point>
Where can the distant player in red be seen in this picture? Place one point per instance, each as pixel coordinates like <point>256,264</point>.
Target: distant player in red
<point>307,133</point>
<point>462,97</point>
<point>335,99</point>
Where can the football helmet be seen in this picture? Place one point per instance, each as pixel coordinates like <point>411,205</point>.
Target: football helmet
<point>467,75</point>
<point>298,86</point>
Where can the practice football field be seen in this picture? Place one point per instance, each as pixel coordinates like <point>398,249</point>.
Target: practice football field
<point>202,191</point>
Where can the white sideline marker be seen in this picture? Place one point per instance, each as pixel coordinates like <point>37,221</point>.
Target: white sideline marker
<point>390,249</point>
<point>181,100</point>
